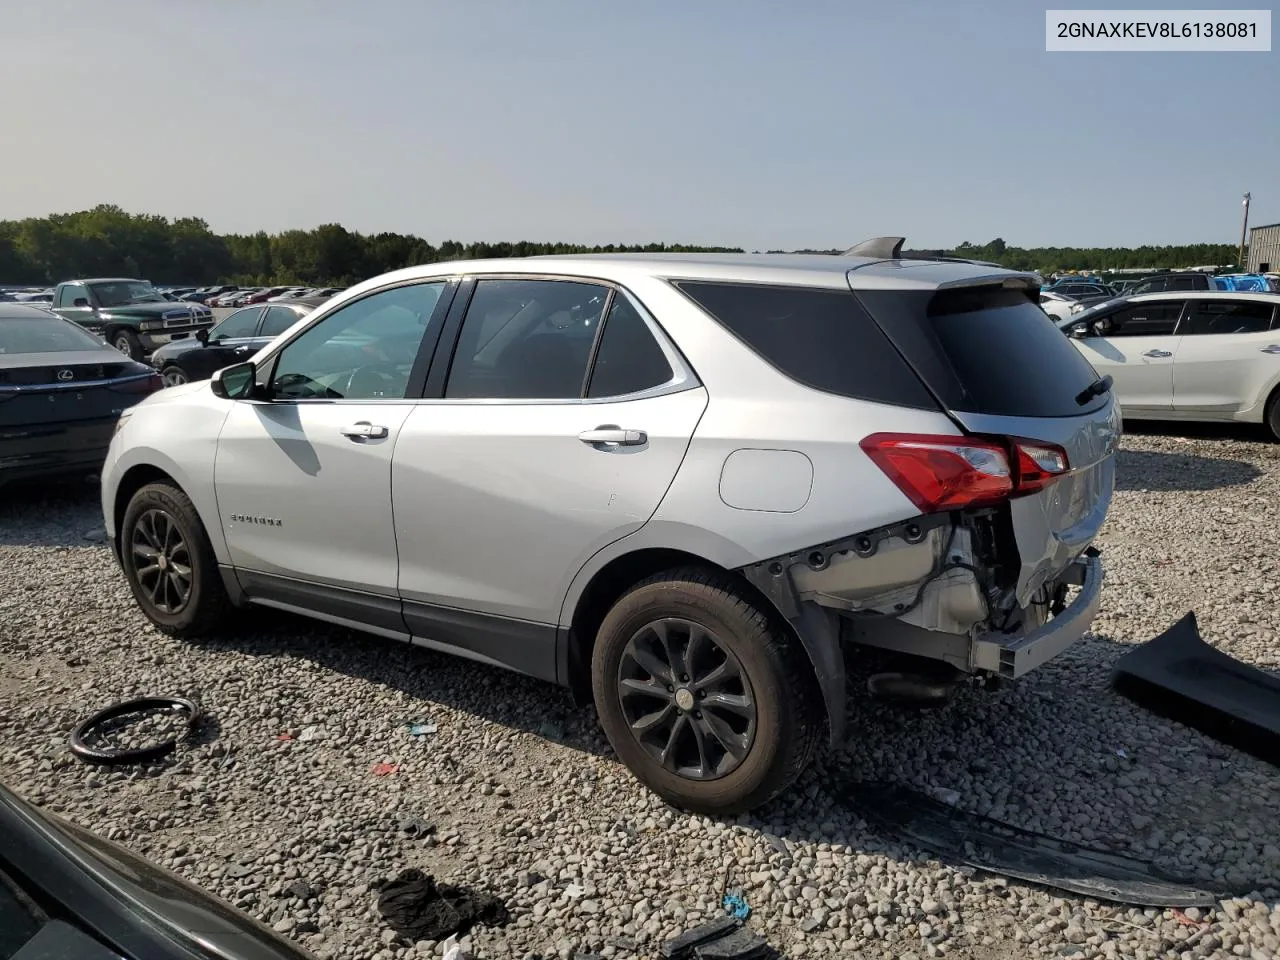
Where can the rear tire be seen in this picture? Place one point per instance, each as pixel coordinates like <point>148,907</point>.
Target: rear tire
<point>169,563</point>
<point>1273,415</point>
<point>127,342</point>
<point>745,684</point>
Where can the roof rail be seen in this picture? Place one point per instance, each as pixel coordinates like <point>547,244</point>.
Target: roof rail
<point>888,248</point>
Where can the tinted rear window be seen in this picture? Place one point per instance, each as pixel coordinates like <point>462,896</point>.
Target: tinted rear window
<point>821,338</point>
<point>986,350</point>
<point>41,335</point>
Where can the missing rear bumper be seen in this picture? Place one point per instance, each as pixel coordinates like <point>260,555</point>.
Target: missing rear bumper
<point>1013,657</point>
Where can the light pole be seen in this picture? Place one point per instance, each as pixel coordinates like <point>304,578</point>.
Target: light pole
<point>1244,229</point>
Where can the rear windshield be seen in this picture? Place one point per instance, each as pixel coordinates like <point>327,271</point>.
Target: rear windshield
<point>987,350</point>
<point>41,335</point>
<point>819,337</point>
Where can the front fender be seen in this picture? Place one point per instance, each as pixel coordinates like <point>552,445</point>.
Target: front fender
<point>179,439</point>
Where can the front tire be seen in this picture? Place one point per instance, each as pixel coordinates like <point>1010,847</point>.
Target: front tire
<point>174,376</point>
<point>169,563</point>
<point>127,342</point>
<point>703,696</point>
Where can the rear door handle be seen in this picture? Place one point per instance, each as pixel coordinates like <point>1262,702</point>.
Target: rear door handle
<point>1271,348</point>
<point>364,430</point>
<point>1158,354</point>
<point>613,435</point>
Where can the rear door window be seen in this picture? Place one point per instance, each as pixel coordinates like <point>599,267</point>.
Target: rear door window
<point>526,340</point>
<point>821,338</point>
<point>277,321</point>
<point>1208,317</point>
<point>986,349</point>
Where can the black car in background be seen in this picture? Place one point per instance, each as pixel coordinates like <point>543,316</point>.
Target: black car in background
<point>67,894</point>
<point>235,339</point>
<point>61,391</point>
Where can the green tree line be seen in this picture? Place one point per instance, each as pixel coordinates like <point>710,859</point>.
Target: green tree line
<point>107,241</point>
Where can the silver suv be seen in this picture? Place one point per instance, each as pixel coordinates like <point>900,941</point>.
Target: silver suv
<point>682,486</point>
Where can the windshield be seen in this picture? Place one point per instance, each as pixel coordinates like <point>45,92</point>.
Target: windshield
<point>119,293</point>
<point>40,335</point>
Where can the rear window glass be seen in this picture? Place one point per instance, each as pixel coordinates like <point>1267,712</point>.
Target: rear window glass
<point>40,335</point>
<point>821,338</point>
<point>987,350</point>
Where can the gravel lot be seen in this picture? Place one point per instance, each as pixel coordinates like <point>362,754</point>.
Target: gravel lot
<point>529,803</point>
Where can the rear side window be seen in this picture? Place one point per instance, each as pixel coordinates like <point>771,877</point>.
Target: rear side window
<point>277,321</point>
<point>628,359</point>
<point>821,338</point>
<point>1217,317</point>
<point>987,350</point>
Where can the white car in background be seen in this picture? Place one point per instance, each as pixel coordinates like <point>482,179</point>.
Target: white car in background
<point>1187,356</point>
<point>1058,306</point>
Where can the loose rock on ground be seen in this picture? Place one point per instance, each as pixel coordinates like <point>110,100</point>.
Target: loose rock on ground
<point>516,792</point>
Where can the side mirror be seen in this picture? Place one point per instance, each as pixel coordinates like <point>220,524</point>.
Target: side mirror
<point>1078,331</point>
<point>203,336</point>
<point>235,382</point>
<point>80,302</point>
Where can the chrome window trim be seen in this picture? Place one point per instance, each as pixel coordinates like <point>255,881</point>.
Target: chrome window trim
<point>683,375</point>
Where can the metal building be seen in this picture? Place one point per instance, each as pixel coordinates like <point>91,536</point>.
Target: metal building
<point>1264,248</point>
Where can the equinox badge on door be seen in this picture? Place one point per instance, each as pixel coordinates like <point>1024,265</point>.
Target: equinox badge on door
<point>263,521</point>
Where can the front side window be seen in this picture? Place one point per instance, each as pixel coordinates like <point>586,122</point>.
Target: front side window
<point>1187,283</point>
<point>526,340</point>
<point>365,350</point>
<point>242,323</point>
<point>1218,317</point>
<point>1156,319</point>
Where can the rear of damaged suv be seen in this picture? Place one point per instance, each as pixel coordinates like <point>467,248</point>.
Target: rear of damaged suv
<point>997,442</point>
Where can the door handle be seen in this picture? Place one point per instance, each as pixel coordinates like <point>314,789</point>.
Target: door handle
<point>364,430</point>
<point>614,436</point>
<point>1271,348</point>
<point>1158,353</point>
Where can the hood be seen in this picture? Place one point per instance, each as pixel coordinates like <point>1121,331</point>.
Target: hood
<point>174,394</point>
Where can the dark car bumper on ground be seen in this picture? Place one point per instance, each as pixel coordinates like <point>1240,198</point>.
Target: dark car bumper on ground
<point>116,900</point>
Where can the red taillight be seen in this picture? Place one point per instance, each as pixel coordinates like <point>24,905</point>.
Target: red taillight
<point>1039,464</point>
<point>940,473</point>
<point>142,385</point>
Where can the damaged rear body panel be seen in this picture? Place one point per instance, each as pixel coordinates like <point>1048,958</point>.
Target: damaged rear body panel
<point>989,581</point>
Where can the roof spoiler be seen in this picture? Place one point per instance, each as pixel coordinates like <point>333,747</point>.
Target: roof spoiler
<point>883,248</point>
<point>890,248</point>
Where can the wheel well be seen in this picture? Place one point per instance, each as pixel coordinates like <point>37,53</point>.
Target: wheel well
<point>613,580</point>
<point>134,479</point>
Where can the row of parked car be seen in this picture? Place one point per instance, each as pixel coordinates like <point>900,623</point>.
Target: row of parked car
<point>230,295</point>
<point>221,295</point>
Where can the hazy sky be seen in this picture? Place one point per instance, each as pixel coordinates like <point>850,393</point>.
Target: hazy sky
<point>809,123</point>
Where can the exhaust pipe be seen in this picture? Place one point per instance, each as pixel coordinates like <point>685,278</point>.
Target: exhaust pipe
<point>913,689</point>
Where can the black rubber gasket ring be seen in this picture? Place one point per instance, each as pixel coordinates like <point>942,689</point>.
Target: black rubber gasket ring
<point>145,754</point>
